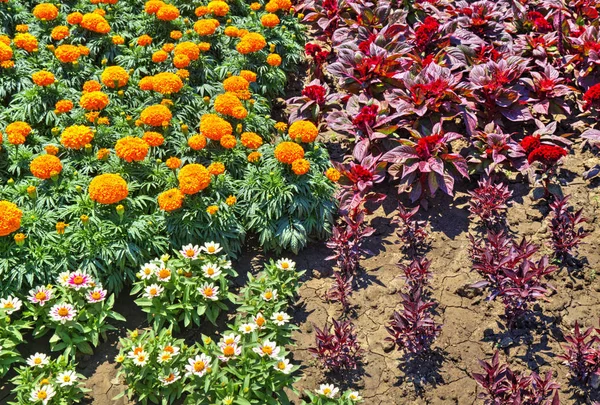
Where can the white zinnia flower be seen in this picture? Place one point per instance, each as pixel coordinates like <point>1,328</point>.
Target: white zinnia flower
<point>268,348</point>
<point>38,360</point>
<point>153,290</point>
<point>211,248</point>
<point>285,264</point>
<point>198,365</point>
<point>66,378</point>
<point>211,270</point>
<point>42,393</point>
<point>328,390</point>
<point>10,304</point>
<point>280,318</point>
<point>190,251</point>
<point>283,365</point>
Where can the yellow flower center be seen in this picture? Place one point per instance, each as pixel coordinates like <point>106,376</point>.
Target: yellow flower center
<point>190,252</point>
<point>147,271</point>
<point>66,378</point>
<point>281,365</point>
<point>42,395</point>
<point>267,350</point>
<point>141,358</point>
<point>260,321</point>
<point>228,351</point>
<point>96,295</point>
<point>268,295</point>
<point>211,249</point>
<point>153,291</point>
<point>37,360</point>
<point>164,273</point>
<point>45,381</point>
<point>199,366</point>
<point>285,265</point>
<point>9,305</point>
<point>210,271</point>
<point>78,280</point>
<point>208,292</point>
<point>280,317</point>
<point>169,349</point>
<point>166,356</point>
<point>170,378</point>
<point>40,296</point>
<point>137,350</point>
<point>327,391</point>
<point>63,311</point>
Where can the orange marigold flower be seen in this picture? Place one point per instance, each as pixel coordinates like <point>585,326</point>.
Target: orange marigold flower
<point>22,28</point>
<point>167,12</point>
<point>239,113</point>
<point>83,50</point>
<point>108,189</point>
<point>183,73</point>
<point>76,137</point>
<point>255,6</point>
<point>118,40</point>
<point>254,157</point>
<point>5,39</point>
<point>206,27</point>
<point>103,121</point>
<point>10,218</point>
<point>238,86</point>
<point>45,166</point>
<point>271,7</point>
<point>212,209</point>
<point>75,18</point>
<point>201,11</point>
<point>193,178</point>
<point>45,12</point>
<point>16,139</point>
<point>231,200</point>
<point>214,127</point>
<point>92,116</point>
<point>144,40</point>
<point>132,149</point>
<point>218,8</point>
<point>203,46</point>
<point>269,20</point>
<point>156,115</point>
<point>304,131</point>
<point>51,150</point>
<point>216,168</point>
<point>26,41</point>
<point>231,31</point>
<point>188,49</point>
<point>114,77</point>
<point>168,47</point>
<point>288,152</point>
<point>333,174</point>
<point>7,64</point>
<point>91,85</point>
<point>167,83</point>
<point>6,52</point>
<point>228,141</point>
<point>93,101</point>
<point>43,78</point>
<point>171,200</point>
<point>153,139</point>
<point>274,59</point>
<point>251,140</point>
<point>99,11</point>
<point>197,142</point>
<point>181,61</point>
<point>173,163</point>
<point>19,128</point>
<point>67,53</point>
<point>152,6</point>
<point>146,83</point>
<point>252,42</point>
<point>248,75</point>
<point>103,154</point>
<point>60,32</point>
<point>159,56</point>
<point>176,34</point>
<point>95,22</point>
<point>300,166</point>
<point>285,5</point>
<point>242,33</point>
<point>226,103</point>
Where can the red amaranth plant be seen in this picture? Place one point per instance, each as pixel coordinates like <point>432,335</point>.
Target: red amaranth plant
<point>412,233</point>
<point>563,225</point>
<point>341,290</point>
<point>496,149</point>
<point>314,101</point>
<point>582,353</point>
<point>337,347</point>
<point>488,202</point>
<point>426,33</point>
<point>416,273</point>
<point>545,158</point>
<point>591,97</point>
<point>501,385</point>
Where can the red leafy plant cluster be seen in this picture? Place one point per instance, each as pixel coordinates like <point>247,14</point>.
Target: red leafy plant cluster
<point>337,347</point>
<point>412,232</point>
<point>582,353</point>
<point>489,202</point>
<point>510,273</point>
<point>501,385</point>
<point>567,233</point>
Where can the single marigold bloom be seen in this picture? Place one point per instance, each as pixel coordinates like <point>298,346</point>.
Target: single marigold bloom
<point>156,115</point>
<point>251,140</point>
<point>93,101</point>
<point>60,32</point>
<point>173,163</point>
<point>226,103</point>
<point>95,22</point>
<point>214,127</point>
<point>300,166</point>
<point>45,166</point>
<point>197,142</point>
<point>251,42</point>
<point>45,12</point>
<point>60,227</point>
<point>239,113</point>
<point>167,83</point>
<point>83,50</point>
<point>281,126</point>
<point>228,141</point>
<point>285,5</point>
<point>92,116</point>
<point>181,61</point>
<point>10,218</point>
<point>171,200</point>
<point>206,27</point>
<point>231,31</point>
<point>231,200</point>
<point>254,157</point>
<point>144,40</point>
<point>288,152</point>
<point>7,64</point>
<point>188,49</point>
<point>132,149</point>
<point>103,121</point>
<point>153,139</point>
<point>5,39</point>
<point>103,154</point>
<point>201,11</point>
<point>248,75</point>
<point>183,73</point>
<point>167,12</point>
<point>51,150</point>
<point>274,60</point>
<point>43,78</point>
<point>271,7</point>
<point>238,86</point>
<point>108,189</point>
<point>159,56</point>
<point>67,53</point>
<point>176,34</point>
<point>168,47</point>
<point>91,85</point>
<point>193,178</point>
<point>255,6</point>
<point>203,46</point>
<point>333,174</point>
<point>218,8</point>
<point>74,18</point>
<point>118,40</point>
<point>22,28</point>
<point>26,41</point>
<point>152,6</point>
<point>16,139</point>
<point>6,52</point>
<point>76,137</point>
<point>99,11</point>
<point>304,131</point>
<point>269,20</point>
<point>146,83</point>
<point>19,128</point>
<point>212,209</point>
<point>216,168</point>
<point>114,77</point>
